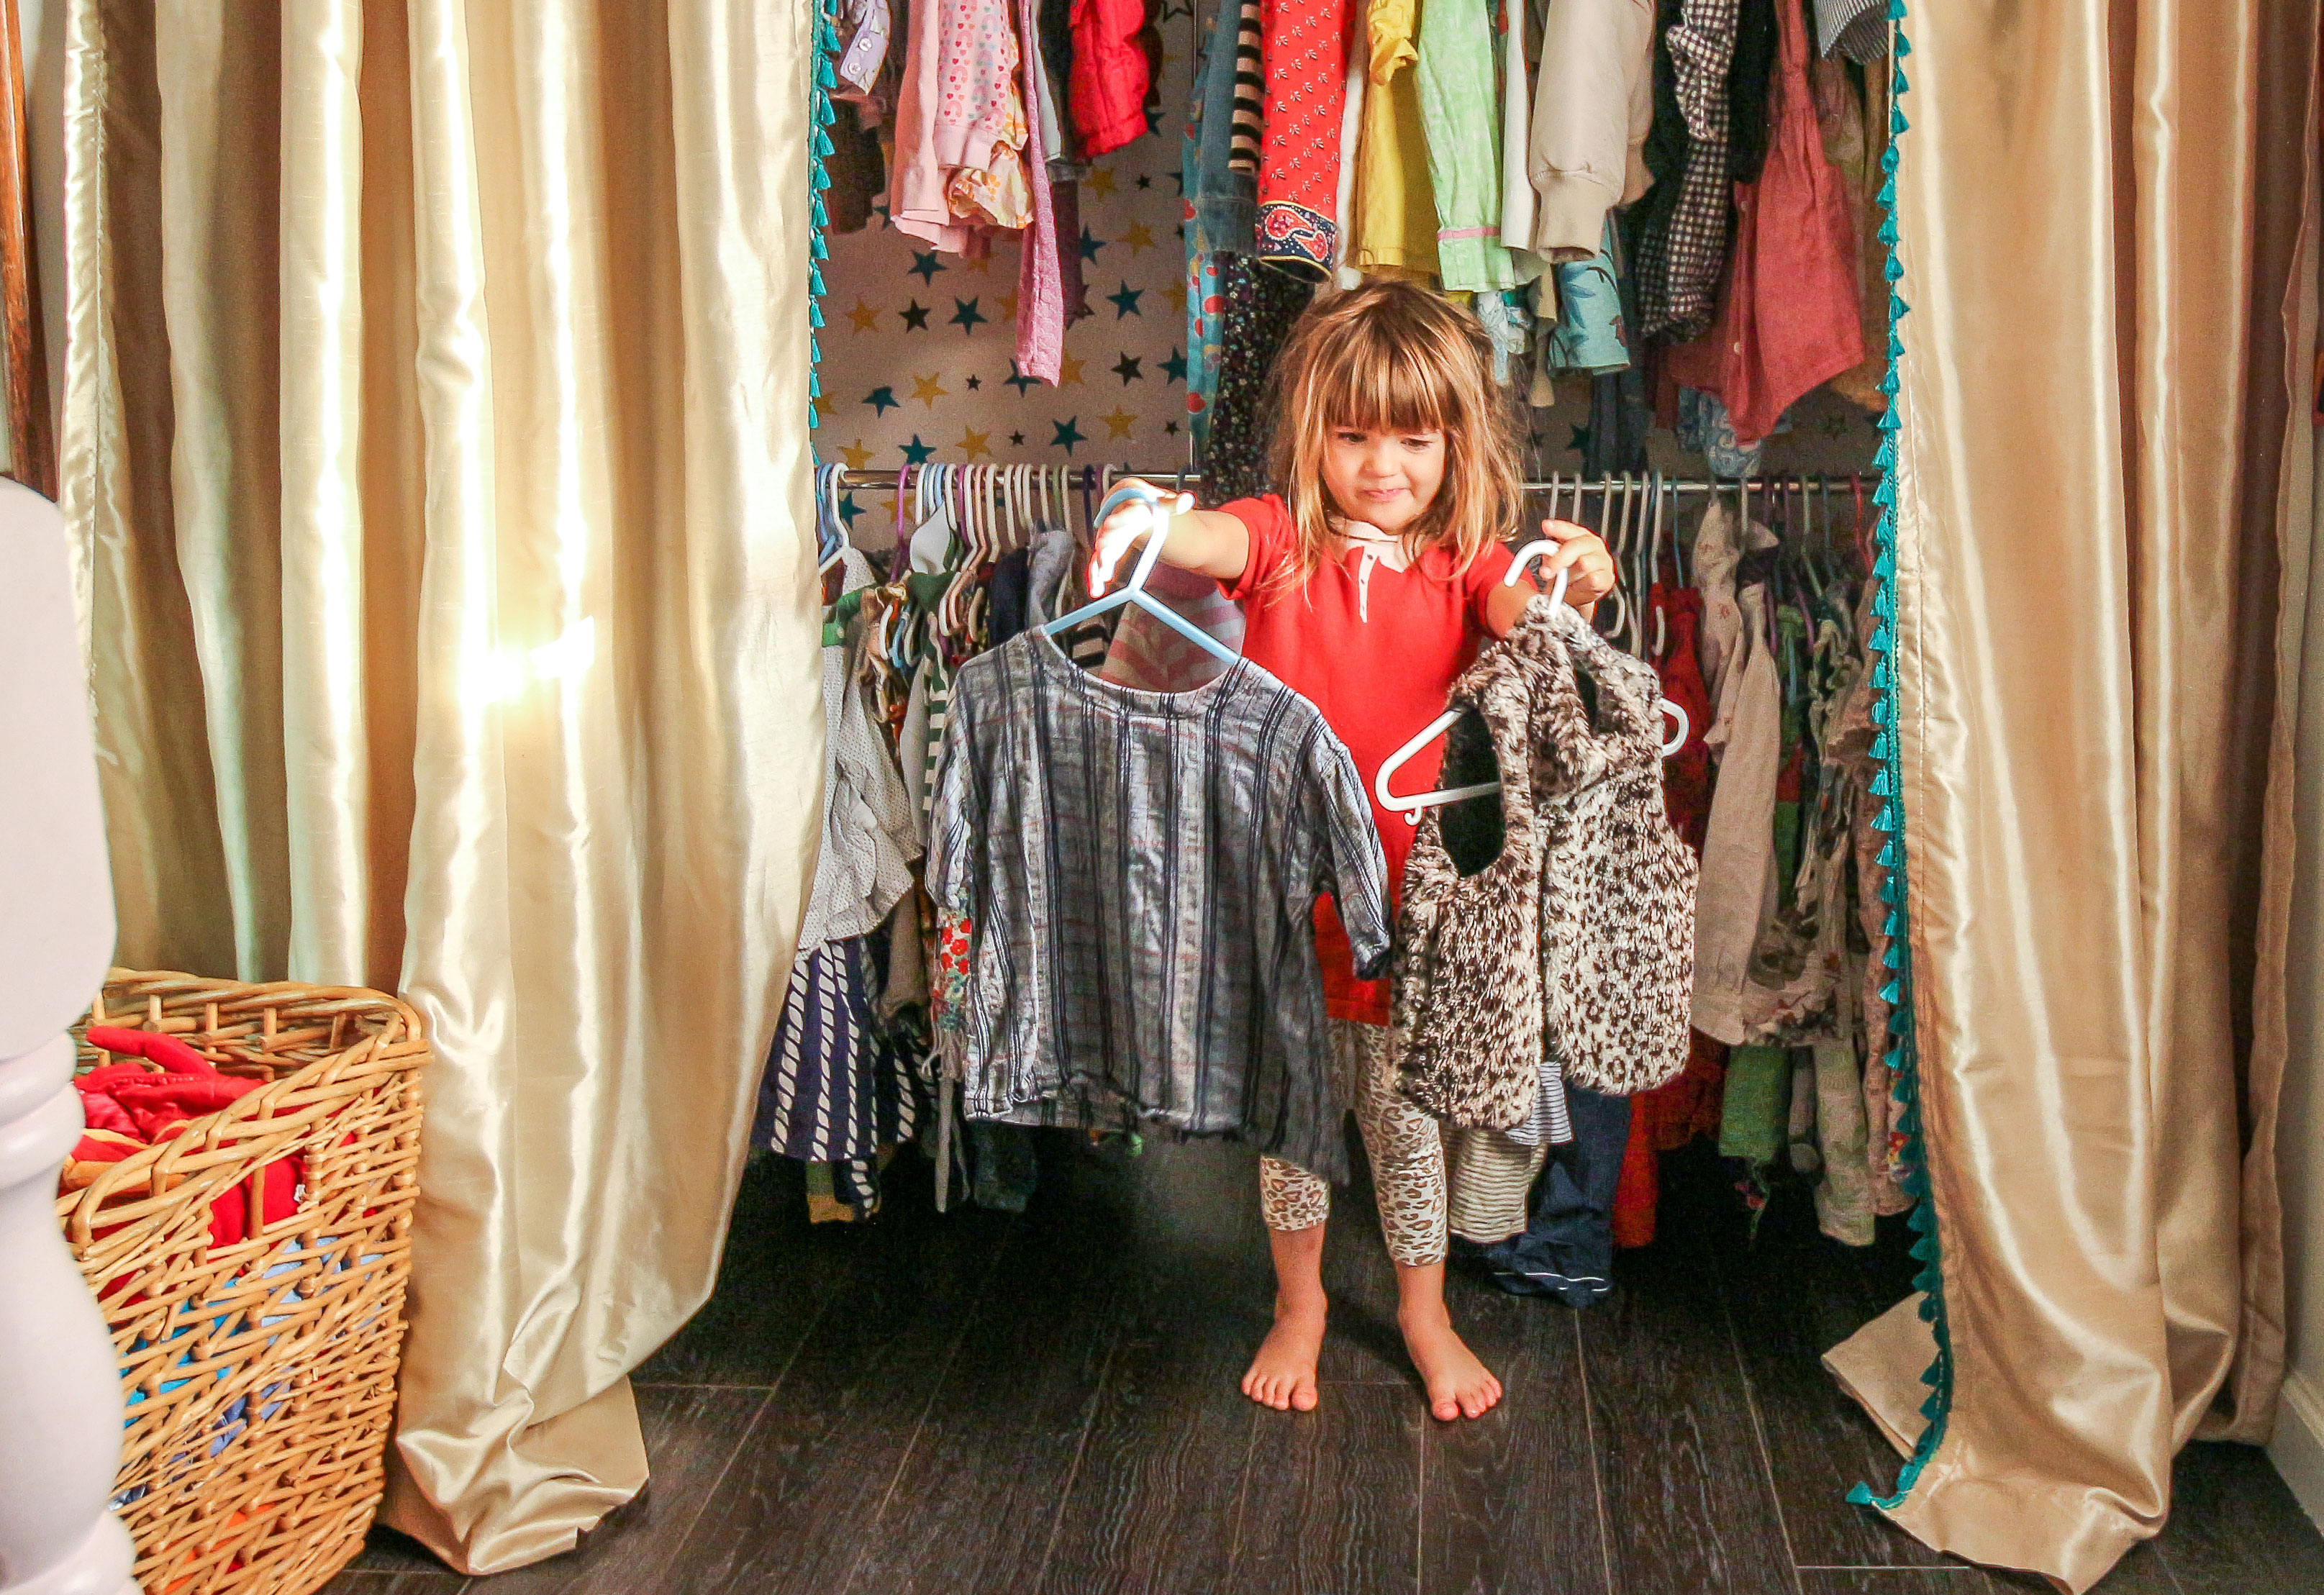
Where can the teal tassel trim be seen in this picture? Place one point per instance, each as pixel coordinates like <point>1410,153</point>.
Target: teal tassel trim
<point>1888,785</point>
<point>818,147</point>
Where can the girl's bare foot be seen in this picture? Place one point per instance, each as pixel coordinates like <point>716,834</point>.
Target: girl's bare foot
<point>1283,1374</point>
<point>1459,1386</point>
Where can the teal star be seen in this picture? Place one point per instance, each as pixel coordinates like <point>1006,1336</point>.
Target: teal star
<point>1128,368</point>
<point>1018,380</point>
<point>880,400</point>
<point>1125,301</point>
<point>916,453</point>
<point>1069,432</point>
<point>1175,368</point>
<point>966,316</point>
<point>1091,245</point>
<point>1581,444</point>
<point>915,317</point>
<point>926,266</point>
<point>849,508</point>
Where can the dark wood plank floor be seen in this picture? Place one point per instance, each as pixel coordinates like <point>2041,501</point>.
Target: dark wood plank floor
<point>1047,1405</point>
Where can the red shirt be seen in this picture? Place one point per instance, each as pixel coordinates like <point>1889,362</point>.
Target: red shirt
<point>1376,651</point>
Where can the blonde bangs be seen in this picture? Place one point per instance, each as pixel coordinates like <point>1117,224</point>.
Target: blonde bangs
<point>1389,356</point>
<point>1368,383</point>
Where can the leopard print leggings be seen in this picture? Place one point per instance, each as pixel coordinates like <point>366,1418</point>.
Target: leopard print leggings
<point>1407,1152</point>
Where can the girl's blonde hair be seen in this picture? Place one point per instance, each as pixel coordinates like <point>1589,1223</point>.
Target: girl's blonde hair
<point>1389,356</point>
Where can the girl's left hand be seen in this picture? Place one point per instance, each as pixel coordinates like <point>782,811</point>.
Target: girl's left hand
<point>1582,554</point>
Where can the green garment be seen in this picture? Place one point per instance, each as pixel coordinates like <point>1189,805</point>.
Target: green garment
<point>1460,108</point>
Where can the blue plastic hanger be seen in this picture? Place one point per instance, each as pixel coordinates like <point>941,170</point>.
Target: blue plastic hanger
<point>1135,591</point>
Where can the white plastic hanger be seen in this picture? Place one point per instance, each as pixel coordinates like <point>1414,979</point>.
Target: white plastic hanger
<point>1135,591</point>
<point>1410,808</point>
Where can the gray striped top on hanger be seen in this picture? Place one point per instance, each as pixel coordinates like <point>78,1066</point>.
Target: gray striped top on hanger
<point>1138,869</point>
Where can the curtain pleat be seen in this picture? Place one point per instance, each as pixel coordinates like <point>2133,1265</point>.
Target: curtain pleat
<point>435,440</point>
<point>2095,403</point>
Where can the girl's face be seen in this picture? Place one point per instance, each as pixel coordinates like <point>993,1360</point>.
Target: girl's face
<point>1387,479</point>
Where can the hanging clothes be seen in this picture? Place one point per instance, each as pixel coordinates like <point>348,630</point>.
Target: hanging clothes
<point>1738,865</point>
<point>1111,73</point>
<point>1590,336</point>
<point>1750,82</point>
<point>1851,145</point>
<point>865,25</point>
<point>1682,254</point>
<point>1080,928</point>
<point>1395,220</point>
<point>869,840</point>
<point>917,203</point>
<point>1856,29</point>
<point>1790,318</point>
<point>1459,87</point>
<point>981,126</point>
<point>1559,916</point>
<point>1592,110</point>
<point>1260,306</point>
<point>1306,55</point>
<point>1222,197</point>
<point>838,1085</point>
<point>1517,199</point>
<point>1040,280</point>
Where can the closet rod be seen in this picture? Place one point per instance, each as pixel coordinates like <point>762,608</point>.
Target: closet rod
<point>885,479</point>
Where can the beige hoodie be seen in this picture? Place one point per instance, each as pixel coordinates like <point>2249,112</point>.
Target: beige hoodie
<point>1591,111</point>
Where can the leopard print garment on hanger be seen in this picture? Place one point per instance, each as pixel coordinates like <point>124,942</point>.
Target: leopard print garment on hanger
<point>1560,912</point>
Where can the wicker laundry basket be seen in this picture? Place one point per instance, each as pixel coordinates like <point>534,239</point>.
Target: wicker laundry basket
<point>259,1375</point>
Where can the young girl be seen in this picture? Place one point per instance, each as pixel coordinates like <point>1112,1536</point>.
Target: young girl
<point>1367,587</point>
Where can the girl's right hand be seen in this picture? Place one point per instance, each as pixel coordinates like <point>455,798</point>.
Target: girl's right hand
<point>1129,521</point>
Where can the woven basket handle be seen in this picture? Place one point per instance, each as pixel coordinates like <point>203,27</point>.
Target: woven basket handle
<point>153,1045</point>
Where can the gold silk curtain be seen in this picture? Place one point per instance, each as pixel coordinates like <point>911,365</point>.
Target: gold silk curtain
<point>2107,218</point>
<point>436,448</point>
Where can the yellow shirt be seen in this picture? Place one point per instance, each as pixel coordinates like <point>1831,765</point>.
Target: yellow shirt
<point>1396,209</point>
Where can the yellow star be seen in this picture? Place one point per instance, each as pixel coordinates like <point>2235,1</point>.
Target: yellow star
<point>866,317</point>
<point>1009,306</point>
<point>1100,179</point>
<point>973,444</point>
<point>822,408</point>
<point>858,457</point>
<point>927,390</point>
<point>977,262</point>
<point>1137,236</point>
<point>1117,425</point>
<point>1069,372</point>
<point>1177,294</point>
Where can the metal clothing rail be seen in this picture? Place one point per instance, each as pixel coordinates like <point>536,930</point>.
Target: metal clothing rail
<point>1096,478</point>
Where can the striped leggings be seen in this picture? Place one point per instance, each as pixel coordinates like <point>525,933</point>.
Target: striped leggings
<point>1427,1179</point>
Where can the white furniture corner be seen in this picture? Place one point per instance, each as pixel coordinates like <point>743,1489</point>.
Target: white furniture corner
<point>59,1388</point>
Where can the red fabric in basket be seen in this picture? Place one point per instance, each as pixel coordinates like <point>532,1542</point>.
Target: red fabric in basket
<point>146,1106</point>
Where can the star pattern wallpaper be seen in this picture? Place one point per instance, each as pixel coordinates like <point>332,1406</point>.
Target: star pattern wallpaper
<point>918,352</point>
